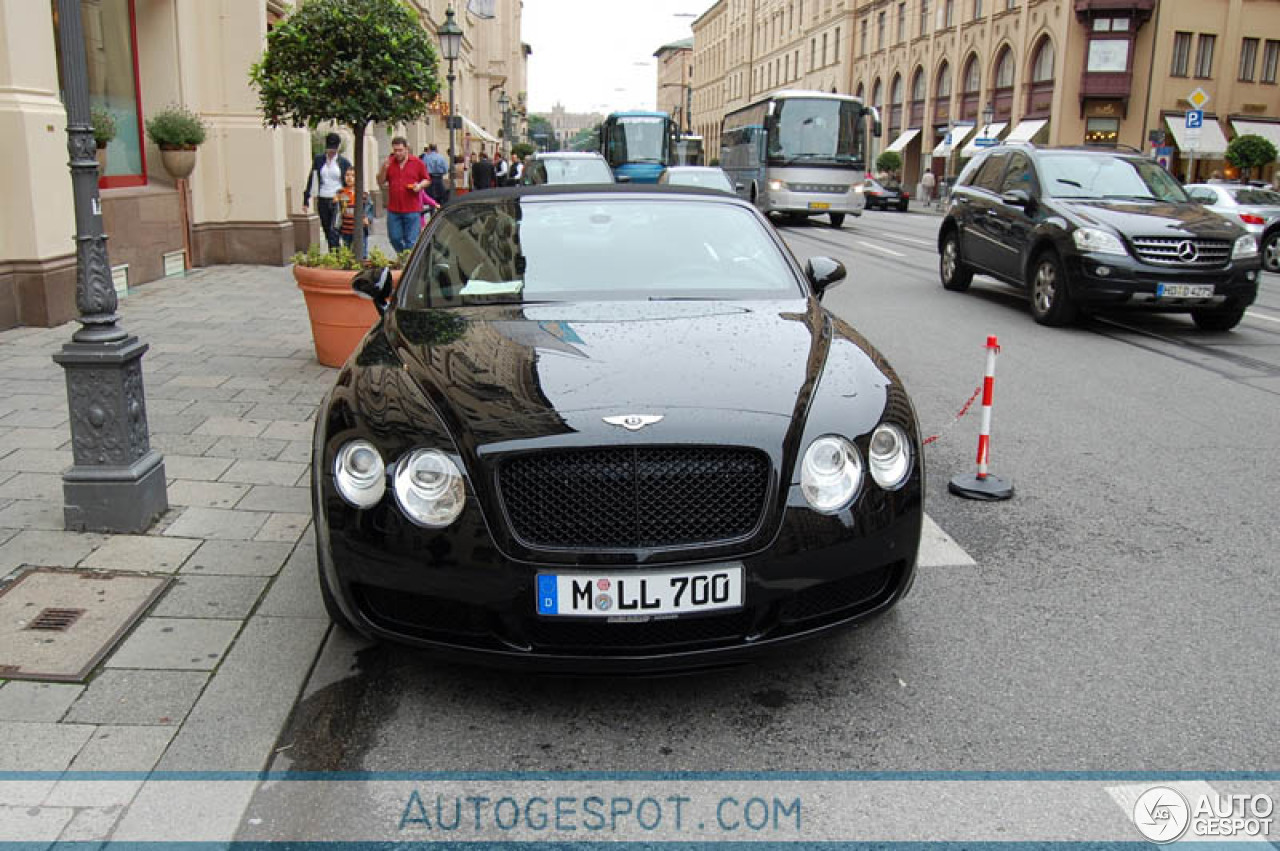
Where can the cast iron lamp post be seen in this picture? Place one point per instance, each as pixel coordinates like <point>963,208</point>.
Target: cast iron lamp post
<point>450,35</point>
<point>117,481</point>
<point>504,104</point>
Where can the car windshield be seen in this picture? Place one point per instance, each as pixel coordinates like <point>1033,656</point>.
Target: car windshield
<point>574,170</point>
<point>523,251</point>
<point>1256,197</point>
<point>710,177</point>
<point>1102,176</point>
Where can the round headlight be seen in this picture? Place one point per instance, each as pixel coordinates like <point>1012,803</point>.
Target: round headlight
<point>830,473</point>
<point>429,488</point>
<point>359,474</point>
<point>777,185</point>
<point>889,457</point>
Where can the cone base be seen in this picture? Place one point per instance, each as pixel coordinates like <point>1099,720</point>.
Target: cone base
<point>969,486</point>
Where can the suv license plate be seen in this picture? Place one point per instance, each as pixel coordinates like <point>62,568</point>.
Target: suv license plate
<point>613,594</point>
<point>1184,291</point>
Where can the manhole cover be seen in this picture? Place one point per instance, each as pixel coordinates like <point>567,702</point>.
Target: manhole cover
<point>57,624</point>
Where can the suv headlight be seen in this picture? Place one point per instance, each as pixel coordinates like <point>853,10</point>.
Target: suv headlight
<point>429,488</point>
<point>359,474</point>
<point>1245,247</point>
<point>889,456</point>
<point>777,185</point>
<point>830,473</point>
<point>1097,241</point>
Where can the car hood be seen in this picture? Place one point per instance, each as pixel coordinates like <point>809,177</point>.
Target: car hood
<point>1140,218</point>
<point>500,377</point>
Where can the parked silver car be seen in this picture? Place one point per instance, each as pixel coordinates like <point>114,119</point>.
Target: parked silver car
<point>1256,208</point>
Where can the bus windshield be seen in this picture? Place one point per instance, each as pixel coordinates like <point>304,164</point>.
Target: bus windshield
<point>638,139</point>
<point>814,129</point>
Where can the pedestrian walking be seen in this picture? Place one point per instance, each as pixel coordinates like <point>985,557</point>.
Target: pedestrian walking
<point>326,174</point>
<point>404,177</point>
<point>500,167</point>
<point>516,170</point>
<point>346,198</point>
<point>482,173</point>
<point>437,166</point>
<point>927,182</point>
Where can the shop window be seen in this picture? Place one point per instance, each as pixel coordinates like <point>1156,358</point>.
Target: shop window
<point>110,41</point>
<point>1102,131</point>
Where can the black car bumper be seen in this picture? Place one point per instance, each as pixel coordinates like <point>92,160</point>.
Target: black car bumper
<point>462,598</point>
<point>1108,280</point>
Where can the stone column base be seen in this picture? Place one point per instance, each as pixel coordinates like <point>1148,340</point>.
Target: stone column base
<point>115,499</point>
<point>259,243</point>
<point>38,292</point>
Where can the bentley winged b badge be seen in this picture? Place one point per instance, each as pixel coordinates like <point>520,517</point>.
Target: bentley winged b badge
<point>634,422</point>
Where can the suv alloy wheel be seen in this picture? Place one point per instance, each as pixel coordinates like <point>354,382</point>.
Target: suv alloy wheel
<point>955,275</point>
<point>1051,304</point>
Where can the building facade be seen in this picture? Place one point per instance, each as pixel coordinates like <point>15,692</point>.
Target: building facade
<point>1058,72</point>
<point>675,82</point>
<point>246,191</point>
<point>567,125</point>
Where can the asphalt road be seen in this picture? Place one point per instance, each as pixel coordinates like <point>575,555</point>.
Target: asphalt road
<point>1121,613</point>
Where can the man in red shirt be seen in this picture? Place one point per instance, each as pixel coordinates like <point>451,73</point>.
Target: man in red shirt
<point>404,178</point>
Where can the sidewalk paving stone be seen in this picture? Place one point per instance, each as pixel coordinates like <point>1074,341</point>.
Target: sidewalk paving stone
<point>272,411</point>
<point>273,498</point>
<point>119,748</point>
<point>246,448</point>
<point>89,824</point>
<point>48,548</point>
<point>33,438</point>
<point>32,824</point>
<point>238,558</point>
<point>295,593</point>
<point>206,494</point>
<point>281,473</point>
<point>294,432</point>
<point>37,460</point>
<point>215,523</point>
<point>298,451</point>
<point>138,697</point>
<point>92,793</point>
<point>234,426</point>
<point>33,701</point>
<point>146,553</point>
<point>180,444</point>
<point>195,596</point>
<point>283,527</point>
<point>194,467</point>
<point>33,514</point>
<point>36,419</point>
<point>40,746</point>
<point>176,644</point>
<point>46,486</point>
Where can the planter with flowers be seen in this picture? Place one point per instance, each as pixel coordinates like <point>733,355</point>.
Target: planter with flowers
<point>177,132</point>
<point>104,130</point>
<point>340,317</point>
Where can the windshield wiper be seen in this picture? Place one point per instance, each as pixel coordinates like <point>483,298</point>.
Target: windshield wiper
<point>1069,182</point>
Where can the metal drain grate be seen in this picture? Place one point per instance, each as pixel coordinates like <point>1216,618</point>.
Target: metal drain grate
<point>55,620</point>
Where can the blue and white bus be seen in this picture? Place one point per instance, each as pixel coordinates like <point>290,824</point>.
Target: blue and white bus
<point>800,153</point>
<point>638,145</point>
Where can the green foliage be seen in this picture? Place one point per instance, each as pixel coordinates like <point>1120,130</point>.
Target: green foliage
<point>1250,151</point>
<point>104,126</point>
<point>540,127</point>
<point>348,61</point>
<point>889,161</point>
<point>587,139</point>
<point>522,149</point>
<point>177,126</point>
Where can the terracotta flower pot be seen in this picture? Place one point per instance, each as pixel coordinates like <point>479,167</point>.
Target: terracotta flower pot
<point>102,160</point>
<point>179,162</point>
<point>339,316</point>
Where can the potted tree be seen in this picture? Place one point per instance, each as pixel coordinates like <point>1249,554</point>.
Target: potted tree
<point>177,132</point>
<point>339,317</point>
<point>348,62</point>
<point>1248,152</point>
<point>104,130</point>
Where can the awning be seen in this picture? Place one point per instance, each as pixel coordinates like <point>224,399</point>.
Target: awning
<point>989,131</point>
<point>958,134</point>
<point>1210,144</point>
<point>902,141</point>
<point>1026,130</point>
<point>1265,129</point>
<point>476,130</point>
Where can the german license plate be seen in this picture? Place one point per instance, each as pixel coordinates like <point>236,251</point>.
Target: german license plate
<point>819,205</point>
<point>622,594</point>
<point>1184,290</point>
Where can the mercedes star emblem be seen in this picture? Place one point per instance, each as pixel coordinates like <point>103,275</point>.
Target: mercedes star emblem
<point>1187,251</point>
<point>633,422</point>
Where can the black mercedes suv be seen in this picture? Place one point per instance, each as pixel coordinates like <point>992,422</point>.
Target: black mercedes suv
<point>1094,228</point>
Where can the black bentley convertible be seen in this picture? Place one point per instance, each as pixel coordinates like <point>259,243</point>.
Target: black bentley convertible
<point>612,429</point>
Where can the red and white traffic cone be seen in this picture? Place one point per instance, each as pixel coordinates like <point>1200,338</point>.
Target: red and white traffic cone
<point>983,485</point>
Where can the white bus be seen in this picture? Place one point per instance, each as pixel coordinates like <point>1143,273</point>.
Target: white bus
<point>800,153</point>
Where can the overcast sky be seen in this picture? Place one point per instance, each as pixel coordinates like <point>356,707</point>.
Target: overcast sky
<point>585,51</point>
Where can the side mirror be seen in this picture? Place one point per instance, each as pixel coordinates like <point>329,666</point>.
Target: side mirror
<point>374,284</point>
<point>1018,198</point>
<point>823,272</point>
<point>623,178</point>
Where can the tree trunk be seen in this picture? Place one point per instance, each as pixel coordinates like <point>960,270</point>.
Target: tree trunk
<point>357,236</point>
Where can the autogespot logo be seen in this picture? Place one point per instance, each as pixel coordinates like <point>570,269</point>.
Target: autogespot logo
<point>1162,814</point>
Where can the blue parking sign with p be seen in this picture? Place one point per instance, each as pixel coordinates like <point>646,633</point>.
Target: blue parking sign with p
<point>1195,119</point>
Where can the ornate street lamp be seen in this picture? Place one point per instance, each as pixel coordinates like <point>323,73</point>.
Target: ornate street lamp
<point>450,35</point>
<point>988,116</point>
<point>504,104</point>
<point>117,482</point>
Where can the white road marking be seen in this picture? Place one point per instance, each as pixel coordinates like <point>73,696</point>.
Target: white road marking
<point>875,247</point>
<point>938,549</point>
<point>1252,315</point>
<point>923,242</point>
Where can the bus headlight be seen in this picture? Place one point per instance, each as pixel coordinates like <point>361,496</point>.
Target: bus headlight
<point>777,185</point>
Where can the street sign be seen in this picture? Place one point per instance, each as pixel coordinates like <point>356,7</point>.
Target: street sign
<point>986,141</point>
<point>1195,119</point>
<point>1198,98</point>
<point>1156,137</point>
